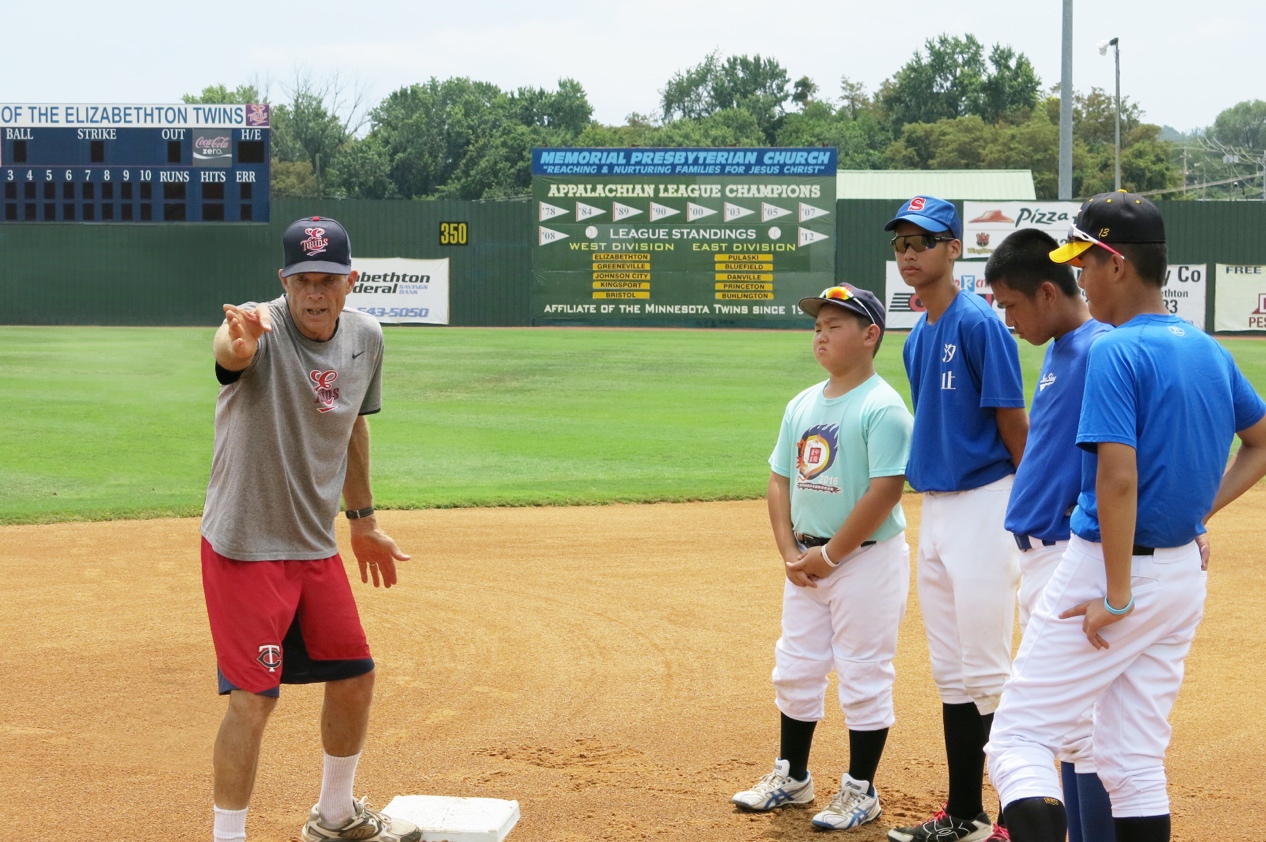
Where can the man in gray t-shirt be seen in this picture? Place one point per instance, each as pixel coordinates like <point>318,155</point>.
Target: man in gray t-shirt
<point>297,377</point>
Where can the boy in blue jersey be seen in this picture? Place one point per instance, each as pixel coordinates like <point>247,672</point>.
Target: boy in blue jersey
<point>1042,303</point>
<point>969,433</point>
<point>837,474</point>
<point>1114,624</point>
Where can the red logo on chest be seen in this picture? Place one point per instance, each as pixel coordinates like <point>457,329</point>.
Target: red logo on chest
<point>326,392</point>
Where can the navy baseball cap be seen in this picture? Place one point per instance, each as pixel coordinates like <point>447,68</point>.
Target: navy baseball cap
<point>1111,219</point>
<point>930,214</point>
<point>857,300</point>
<point>316,244</point>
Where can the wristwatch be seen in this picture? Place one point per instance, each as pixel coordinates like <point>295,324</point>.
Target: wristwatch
<point>357,514</point>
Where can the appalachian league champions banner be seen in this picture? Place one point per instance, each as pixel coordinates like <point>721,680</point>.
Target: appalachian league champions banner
<point>726,237</point>
<point>1240,303</point>
<point>398,290</point>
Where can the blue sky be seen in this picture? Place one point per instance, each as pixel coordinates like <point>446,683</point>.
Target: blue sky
<point>1182,62</point>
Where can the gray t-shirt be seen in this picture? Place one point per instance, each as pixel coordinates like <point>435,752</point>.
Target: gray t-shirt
<point>281,433</point>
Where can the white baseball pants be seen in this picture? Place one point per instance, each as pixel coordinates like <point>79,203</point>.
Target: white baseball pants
<point>847,623</point>
<point>968,575</point>
<point>1132,684</point>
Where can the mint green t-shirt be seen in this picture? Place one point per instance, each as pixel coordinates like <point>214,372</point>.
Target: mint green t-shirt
<point>830,448</point>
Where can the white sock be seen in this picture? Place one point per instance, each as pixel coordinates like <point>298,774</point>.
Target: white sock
<point>337,805</point>
<point>230,825</point>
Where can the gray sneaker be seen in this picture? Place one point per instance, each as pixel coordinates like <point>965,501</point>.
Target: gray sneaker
<point>365,825</point>
<point>776,789</point>
<point>851,807</point>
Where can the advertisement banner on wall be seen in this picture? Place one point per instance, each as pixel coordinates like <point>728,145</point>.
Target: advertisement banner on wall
<point>904,306</point>
<point>1240,297</point>
<point>701,237</point>
<point>1185,293</point>
<point>398,290</point>
<point>985,224</point>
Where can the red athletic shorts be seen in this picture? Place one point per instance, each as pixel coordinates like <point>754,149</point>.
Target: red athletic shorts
<point>282,622</point>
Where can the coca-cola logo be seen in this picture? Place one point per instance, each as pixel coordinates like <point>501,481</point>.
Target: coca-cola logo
<point>221,142</point>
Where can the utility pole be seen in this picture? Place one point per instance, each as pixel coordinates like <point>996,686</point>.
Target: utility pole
<point>1066,107</point>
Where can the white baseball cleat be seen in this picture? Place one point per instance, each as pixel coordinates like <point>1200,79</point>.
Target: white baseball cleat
<point>365,825</point>
<point>851,807</point>
<point>777,789</point>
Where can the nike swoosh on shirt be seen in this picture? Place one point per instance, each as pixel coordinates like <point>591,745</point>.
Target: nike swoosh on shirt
<point>356,354</point>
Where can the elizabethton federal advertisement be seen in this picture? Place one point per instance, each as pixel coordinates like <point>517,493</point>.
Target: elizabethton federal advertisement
<point>398,290</point>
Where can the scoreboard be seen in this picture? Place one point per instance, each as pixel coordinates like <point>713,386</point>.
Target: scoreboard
<point>134,163</point>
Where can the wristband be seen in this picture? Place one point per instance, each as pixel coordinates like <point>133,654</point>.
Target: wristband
<point>357,514</point>
<point>1118,611</point>
<point>827,558</point>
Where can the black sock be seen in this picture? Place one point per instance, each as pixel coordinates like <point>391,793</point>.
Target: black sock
<point>986,722</point>
<point>1143,829</point>
<point>965,755</point>
<point>864,750</point>
<point>797,739</point>
<point>1037,820</point>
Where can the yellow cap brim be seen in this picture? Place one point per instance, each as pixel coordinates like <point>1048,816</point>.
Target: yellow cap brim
<point>1070,250</point>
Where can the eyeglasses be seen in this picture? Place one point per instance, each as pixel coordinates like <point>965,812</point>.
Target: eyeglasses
<point>845,294</point>
<point>1075,233</point>
<point>918,242</point>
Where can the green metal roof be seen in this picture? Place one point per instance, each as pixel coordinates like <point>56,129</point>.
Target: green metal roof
<point>1016,185</point>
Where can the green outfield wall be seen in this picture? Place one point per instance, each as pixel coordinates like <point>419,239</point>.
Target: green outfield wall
<point>180,274</point>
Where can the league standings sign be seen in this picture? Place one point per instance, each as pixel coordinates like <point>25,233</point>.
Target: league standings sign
<point>698,237</point>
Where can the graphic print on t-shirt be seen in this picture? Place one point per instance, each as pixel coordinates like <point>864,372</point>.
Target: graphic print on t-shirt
<point>815,453</point>
<point>326,392</point>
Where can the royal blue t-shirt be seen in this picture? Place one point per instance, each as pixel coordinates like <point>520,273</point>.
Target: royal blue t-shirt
<point>961,367</point>
<point>1049,476</point>
<point>1169,391</point>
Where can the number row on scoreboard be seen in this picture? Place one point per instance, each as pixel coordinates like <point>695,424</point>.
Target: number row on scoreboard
<point>106,175</point>
<point>128,212</point>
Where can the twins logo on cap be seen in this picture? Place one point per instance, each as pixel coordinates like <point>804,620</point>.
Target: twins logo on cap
<point>316,243</point>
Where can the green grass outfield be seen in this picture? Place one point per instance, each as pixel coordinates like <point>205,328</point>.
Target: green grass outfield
<point>103,423</point>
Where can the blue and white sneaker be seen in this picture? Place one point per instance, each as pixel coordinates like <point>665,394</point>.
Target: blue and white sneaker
<point>851,806</point>
<point>776,789</point>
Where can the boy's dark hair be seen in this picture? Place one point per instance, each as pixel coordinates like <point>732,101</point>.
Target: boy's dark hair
<point>1150,260</point>
<point>1022,262</point>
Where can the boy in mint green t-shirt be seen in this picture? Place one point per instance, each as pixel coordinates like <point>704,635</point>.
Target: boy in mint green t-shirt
<point>837,474</point>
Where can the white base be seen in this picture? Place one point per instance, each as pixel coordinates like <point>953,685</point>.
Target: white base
<point>448,819</point>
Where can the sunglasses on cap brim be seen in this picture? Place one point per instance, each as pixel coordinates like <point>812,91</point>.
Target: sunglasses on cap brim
<point>843,294</point>
<point>1079,242</point>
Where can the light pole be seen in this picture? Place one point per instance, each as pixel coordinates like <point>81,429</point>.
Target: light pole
<point>1116,53</point>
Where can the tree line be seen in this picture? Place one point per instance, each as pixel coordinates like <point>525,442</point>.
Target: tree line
<point>953,105</point>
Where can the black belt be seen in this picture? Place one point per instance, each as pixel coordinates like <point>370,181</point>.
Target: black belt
<point>1022,541</point>
<point>1139,549</point>
<point>815,541</point>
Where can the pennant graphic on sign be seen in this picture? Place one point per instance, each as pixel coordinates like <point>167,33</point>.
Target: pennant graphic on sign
<point>807,237</point>
<point>733,212</point>
<point>584,211</point>
<point>549,235</point>
<point>695,212</point>
<point>619,211</point>
<point>768,211</point>
<point>549,211</point>
<point>808,212</point>
<point>660,211</point>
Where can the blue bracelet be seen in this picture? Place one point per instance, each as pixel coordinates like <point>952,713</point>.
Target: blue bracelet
<point>1118,611</point>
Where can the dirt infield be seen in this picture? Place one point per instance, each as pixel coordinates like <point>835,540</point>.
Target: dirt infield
<point>607,667</point>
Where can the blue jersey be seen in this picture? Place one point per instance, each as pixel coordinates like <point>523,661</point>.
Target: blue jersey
<point>962,367</point>
<point>830,448</point>
<point>1170,392</point>
<point>1049,476</point>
